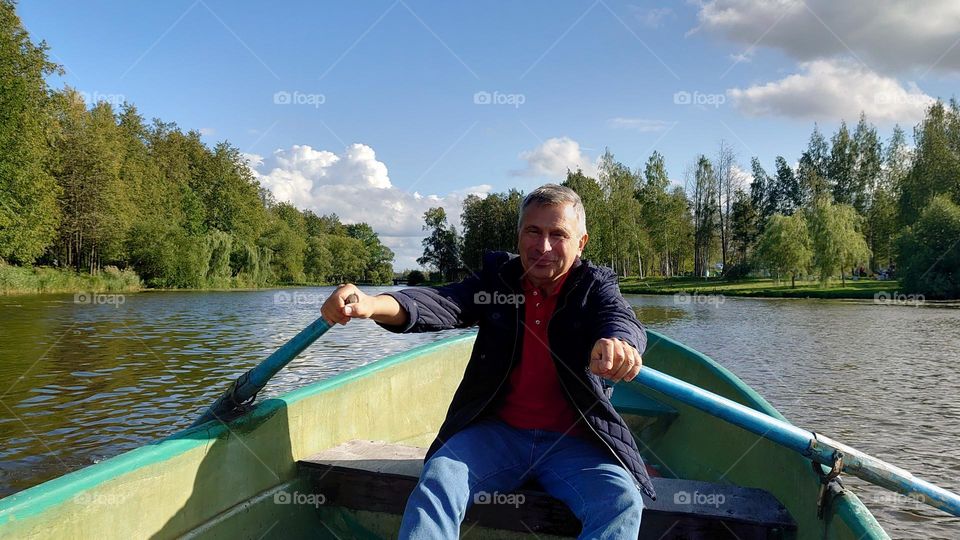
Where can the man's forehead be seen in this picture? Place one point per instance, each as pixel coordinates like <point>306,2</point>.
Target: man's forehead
<point>554,213</point>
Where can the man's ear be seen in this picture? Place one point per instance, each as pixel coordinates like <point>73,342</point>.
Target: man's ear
<point>583,243</point>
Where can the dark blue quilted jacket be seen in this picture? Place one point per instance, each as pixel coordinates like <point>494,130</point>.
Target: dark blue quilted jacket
<point>590,307</point>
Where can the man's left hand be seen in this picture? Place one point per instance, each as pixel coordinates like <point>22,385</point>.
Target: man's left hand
<point>615,360</point>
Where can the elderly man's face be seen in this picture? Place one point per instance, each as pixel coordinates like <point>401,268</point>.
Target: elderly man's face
<point>550,241</point>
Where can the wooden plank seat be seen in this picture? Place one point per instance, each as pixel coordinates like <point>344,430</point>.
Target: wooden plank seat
<point>378,477</point>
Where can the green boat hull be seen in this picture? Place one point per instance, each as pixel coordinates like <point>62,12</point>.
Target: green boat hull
<point>236,481</point>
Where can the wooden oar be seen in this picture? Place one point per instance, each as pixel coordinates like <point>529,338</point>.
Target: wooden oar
<point>816,447</point>
<point>241,393</point>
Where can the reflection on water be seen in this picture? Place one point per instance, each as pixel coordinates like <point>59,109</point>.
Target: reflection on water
<point>657,316</point>
<point>879,378</point>
<point>80,382</point>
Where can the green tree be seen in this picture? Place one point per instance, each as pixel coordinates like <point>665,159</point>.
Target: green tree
<point>658,216</point>
<point>764,194</point>
<point>285,237</point>
<point>441,249</point>
<point>840,166</point>
<point>598,219</point>
<point>489,224</point>
<point>348,258</point>
<point>704,214</point>
<point>881,226</point>
<point>785,246</point>
<point>378,268</point>
<point>868,160</point>
<point>96,207</point>
<point>789,194</point>
<point>743,226</point>
<point>812,170</point>
<point>29,214</point>
<point>929,251</point>
<point>936,164</point>
<point>627,239</point>
<point>838,242</point>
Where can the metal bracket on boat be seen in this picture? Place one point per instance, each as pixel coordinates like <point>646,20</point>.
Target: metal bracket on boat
<point>238,406</point>
<point>826,477</point>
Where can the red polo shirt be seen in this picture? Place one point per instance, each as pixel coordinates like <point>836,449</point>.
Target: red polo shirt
<point>535,399</point>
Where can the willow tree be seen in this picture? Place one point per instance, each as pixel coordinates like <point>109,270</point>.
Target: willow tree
<point>838,241</point>
<point>785,246</point>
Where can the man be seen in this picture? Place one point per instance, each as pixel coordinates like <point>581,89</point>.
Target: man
<point>532,404</point>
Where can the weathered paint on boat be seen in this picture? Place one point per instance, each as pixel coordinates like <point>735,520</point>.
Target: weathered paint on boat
<point>217,481</point>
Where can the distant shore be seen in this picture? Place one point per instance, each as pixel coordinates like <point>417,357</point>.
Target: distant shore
<point>17,280</point>
<point>862,289</point>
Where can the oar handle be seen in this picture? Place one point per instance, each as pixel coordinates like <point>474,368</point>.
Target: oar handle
<point>815,447</point>
<point>243,390</point>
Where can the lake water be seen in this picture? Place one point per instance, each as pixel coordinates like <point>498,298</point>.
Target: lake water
<point>81,382</point>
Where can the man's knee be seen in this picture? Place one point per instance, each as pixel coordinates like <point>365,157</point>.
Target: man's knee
<point>620,511</point>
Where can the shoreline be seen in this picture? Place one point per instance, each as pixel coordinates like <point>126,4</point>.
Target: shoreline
<point>881,292</point>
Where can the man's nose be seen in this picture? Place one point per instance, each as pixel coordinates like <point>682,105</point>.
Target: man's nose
<point>543,246</point>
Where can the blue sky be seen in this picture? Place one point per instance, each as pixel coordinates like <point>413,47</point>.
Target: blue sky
<point>378,110</point>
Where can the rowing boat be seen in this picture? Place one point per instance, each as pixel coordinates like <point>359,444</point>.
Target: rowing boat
<point>335,459</point>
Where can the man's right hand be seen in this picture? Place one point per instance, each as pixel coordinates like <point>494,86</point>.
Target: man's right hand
<point>381,308</point>
<point>336,310</point>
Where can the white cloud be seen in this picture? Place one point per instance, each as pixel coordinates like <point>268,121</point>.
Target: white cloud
<point>889,35</point>
<point>355,186</point>
<point>832,89</point>
<point>651,17</point>
<point>553,158</point>
<point>639,124</point>
<point>207,131</point>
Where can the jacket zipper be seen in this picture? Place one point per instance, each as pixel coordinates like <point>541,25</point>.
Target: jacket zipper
<point>513,353</point>
<point>574,403</point>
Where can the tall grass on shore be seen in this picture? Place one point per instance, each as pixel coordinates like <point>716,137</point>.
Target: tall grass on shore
<point>41,279</point>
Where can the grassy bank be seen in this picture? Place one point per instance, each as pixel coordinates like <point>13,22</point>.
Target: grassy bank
<point>758,287</point>
<point>36,280</point>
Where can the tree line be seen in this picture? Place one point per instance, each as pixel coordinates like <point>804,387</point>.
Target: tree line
<point>86,187</point>
<point>851,205</point>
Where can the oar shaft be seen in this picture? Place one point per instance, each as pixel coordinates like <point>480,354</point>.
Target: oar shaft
<point>818,448</point>
<point>254,380</point>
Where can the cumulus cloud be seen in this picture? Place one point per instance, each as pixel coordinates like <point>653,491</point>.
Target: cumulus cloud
<point>553,158</point>
<point>639,124</point>
<point>831,89</point>
<point>889,35</point>
<point>355,186</point>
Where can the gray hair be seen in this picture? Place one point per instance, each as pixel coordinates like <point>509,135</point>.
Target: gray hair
<point>555,195</point>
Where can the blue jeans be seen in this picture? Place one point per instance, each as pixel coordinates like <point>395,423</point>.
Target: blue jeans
<point>489,459</point>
